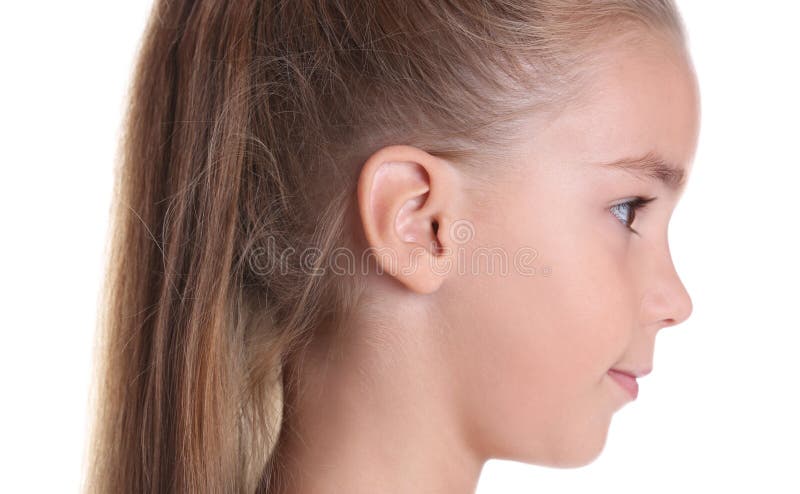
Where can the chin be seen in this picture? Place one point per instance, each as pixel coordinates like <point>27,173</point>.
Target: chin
<point>577,459</point>
<point>578,449</point>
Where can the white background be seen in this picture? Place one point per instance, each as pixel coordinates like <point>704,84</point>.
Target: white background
<point>720,410</point>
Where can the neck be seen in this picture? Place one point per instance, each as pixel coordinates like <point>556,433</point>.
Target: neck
<point>375,418</point>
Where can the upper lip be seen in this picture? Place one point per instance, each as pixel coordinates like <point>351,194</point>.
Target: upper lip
<point>635,373</point>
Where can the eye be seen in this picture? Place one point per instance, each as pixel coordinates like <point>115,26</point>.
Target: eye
<point>626,211</point>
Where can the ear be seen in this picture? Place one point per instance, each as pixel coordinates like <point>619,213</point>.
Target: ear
<point>407,200</point>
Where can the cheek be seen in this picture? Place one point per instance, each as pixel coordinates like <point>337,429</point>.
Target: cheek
<point>537,347</point>
<point>572,314</point>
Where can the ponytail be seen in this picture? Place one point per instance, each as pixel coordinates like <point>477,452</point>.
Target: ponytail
<point>188,392</point>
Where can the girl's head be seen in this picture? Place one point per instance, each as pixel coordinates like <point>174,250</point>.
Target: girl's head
<point>407,198</point>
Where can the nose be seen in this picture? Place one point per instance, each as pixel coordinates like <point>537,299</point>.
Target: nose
<point>666,301</point>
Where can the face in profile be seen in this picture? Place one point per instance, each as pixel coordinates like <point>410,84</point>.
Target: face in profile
<point>558,271</point>
<point>534,349</point>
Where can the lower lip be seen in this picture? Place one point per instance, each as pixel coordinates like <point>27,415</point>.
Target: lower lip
<point>627,382</point>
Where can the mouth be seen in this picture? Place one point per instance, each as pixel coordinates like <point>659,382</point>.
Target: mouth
<point>626,381</point>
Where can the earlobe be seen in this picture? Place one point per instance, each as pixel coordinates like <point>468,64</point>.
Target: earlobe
<point>405,195</point>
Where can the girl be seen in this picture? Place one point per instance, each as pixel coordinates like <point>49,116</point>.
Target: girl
<point>365,246</point>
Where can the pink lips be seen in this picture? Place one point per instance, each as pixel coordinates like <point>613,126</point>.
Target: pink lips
<point>627,382</point>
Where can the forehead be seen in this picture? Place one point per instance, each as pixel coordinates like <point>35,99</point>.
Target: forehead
<point>641,97</point>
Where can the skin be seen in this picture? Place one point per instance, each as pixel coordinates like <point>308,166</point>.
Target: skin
<point>441,370</point>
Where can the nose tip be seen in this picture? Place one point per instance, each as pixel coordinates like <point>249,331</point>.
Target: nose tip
<point>680,308</point>
<point>688,308</point>
<point>667,304</point>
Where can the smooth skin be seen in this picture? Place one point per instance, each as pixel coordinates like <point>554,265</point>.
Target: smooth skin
<point>442,370</point>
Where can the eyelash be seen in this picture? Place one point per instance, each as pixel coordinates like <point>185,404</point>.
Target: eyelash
<point>636,204</point>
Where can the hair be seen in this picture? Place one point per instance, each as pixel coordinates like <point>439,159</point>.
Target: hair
<point>244,134</point>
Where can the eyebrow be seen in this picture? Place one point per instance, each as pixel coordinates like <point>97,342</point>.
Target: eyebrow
<point>653,167</point>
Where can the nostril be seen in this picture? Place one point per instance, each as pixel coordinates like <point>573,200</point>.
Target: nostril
<point>665,323</point>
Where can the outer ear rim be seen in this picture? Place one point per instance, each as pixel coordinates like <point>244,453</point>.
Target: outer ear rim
<point>366,179</point>
<point>391,153</point>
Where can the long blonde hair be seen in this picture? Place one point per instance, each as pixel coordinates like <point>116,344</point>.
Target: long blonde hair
<point>246,126</point>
